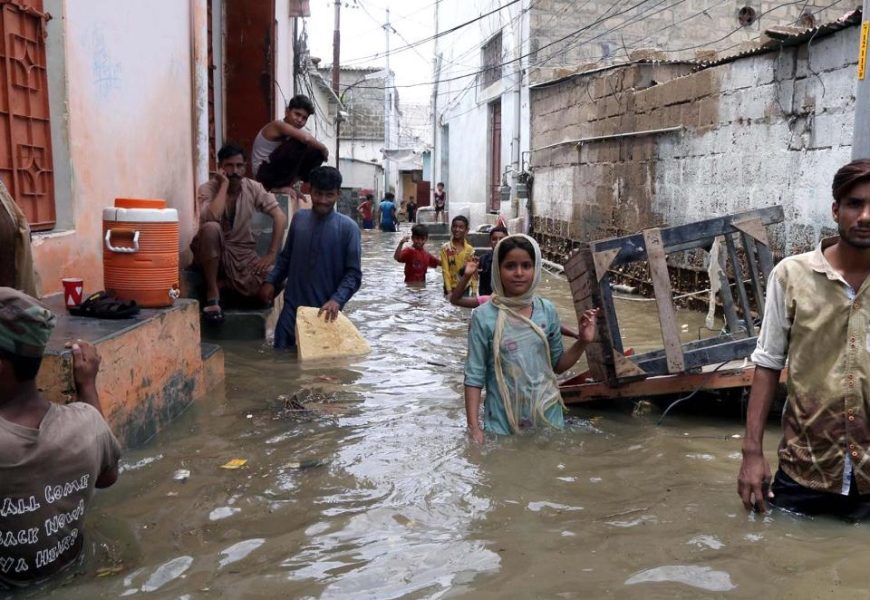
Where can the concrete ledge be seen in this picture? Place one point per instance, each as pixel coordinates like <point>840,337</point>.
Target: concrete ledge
<point>151,370</point>
<point>213,373</point>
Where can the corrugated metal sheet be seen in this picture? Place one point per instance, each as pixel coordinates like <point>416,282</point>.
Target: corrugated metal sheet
<point>782,39</point>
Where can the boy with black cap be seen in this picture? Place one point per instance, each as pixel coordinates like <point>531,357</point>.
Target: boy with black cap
<point>52,456</point>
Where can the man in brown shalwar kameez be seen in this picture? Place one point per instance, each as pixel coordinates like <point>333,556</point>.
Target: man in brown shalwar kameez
<point>16,260</point>
<point>224,247</point>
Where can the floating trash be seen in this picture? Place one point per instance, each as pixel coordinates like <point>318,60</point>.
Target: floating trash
<point>166,572</point>
<point>307,464</point>
<point>181,475</point>
<point>237,552</point>
<point>223,512</point>
<point>704,578</point>
<point>236,463</point>
<point>539,506</point>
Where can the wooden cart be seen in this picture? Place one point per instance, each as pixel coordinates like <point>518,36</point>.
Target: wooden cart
<point>713,363</point>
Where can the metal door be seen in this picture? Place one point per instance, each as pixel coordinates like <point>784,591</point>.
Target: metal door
<point>494,156</point>
<point>25,130</point>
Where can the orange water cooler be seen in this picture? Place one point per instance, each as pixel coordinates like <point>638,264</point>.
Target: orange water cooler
<point>140,251</point>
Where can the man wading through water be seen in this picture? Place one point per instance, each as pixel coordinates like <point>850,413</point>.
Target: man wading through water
<point>817,316</point>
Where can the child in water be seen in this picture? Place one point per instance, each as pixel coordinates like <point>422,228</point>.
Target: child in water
<point>515,347</point>
<point>417,260</point>
<point>454,254</point>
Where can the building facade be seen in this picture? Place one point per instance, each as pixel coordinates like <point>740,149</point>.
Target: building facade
<point>130,103</point>
<point>672,143</point>
<point>489,52</point>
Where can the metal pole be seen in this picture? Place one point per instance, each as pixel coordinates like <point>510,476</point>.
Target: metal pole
<point>336,73</point>
<point>388,105</point>
<point>861,135</point>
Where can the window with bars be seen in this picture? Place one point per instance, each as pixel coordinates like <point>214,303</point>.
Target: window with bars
<point>492,60</point>
<point>25,129</point>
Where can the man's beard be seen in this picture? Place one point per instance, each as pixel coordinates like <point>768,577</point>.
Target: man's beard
<point>854,242</point>
<point>235,182</point>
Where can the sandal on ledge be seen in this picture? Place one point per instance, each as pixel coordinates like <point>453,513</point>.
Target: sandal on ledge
<point>101,305</point>
<point>213,316</point>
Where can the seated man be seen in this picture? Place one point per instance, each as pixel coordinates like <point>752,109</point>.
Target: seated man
<point>52,456</point>
<point>224,247</point>
<point>16,268</point>
<point>283,152</point>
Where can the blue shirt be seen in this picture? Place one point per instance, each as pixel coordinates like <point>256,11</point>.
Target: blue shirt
<point>479,364</point>
<point>320,261</point>
<point>387,208</point>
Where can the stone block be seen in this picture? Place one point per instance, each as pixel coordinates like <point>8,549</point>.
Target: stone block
<point>708,111</point>
<point>690,114</point>
<point>830,130</point>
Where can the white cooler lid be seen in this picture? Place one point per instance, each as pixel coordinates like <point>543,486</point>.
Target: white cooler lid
<point>140,215</point>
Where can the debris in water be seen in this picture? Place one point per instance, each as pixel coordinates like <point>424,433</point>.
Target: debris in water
<point>307,464</point>
<point>704,578</point>
<point>181,475</point>
<point>235,463</point>
<point>166,572</point>
<point>643,408</point>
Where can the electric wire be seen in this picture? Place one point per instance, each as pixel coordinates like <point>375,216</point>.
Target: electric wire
<point>692,394</point>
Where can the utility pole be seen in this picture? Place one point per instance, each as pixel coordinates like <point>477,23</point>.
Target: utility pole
<point>436,67</point>
<point>861,135</point>
<point>388,106</point>
<point>336,72</point>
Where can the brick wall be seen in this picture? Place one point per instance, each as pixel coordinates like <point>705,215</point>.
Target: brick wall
<point>364,102</point>
<point>763,130</point>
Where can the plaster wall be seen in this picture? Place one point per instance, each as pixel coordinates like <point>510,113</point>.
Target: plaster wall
<point>284,57</point>
<point>355,174</point>
<point>129,121</point>
<point>758,131</point>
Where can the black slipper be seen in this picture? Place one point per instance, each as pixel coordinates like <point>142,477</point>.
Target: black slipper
<point>101,305</point>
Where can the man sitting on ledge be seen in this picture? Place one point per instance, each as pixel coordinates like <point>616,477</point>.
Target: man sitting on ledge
<point>224,247</point>
<point>52,456</point>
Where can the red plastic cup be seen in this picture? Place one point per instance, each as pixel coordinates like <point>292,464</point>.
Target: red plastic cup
<point>73,291</point>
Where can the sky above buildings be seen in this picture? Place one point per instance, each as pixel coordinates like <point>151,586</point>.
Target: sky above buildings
<point>363,39</point>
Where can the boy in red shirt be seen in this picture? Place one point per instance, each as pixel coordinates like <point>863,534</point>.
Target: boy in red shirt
<point>417,260</point>
<point>365,212</point>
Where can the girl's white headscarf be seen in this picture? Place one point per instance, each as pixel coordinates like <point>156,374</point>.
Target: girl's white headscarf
<point>499,297</point>
<point>510,306</point>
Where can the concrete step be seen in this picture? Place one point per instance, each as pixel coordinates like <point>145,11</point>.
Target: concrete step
<point>243,324</point>
<point>151,369</point>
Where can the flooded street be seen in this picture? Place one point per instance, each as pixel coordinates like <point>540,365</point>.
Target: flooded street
<point>380,495</point>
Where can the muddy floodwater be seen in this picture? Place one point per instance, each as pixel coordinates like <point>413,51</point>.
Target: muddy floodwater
<point>375,492</point>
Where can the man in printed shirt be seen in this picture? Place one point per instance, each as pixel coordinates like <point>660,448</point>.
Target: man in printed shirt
<point>52,456</point>
<point>816,316</point>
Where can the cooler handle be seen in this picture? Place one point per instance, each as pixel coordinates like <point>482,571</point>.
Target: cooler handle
<point>122,249</point>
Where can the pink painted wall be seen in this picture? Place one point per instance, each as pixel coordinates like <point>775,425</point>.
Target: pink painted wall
<point>130,102</point>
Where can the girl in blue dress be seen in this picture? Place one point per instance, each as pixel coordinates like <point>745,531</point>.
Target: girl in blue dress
<point>515,347</point>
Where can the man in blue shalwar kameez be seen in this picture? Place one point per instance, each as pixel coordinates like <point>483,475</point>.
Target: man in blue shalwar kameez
<point>320,259</point>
